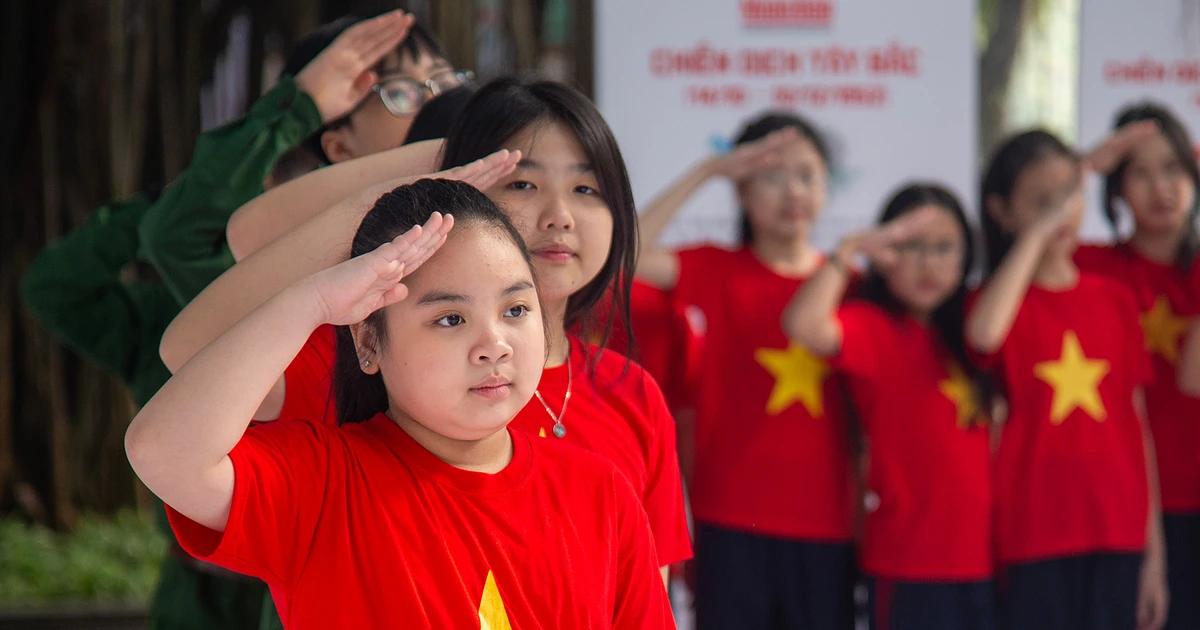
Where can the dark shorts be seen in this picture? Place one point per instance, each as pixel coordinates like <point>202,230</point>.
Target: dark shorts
<point>745,581</point>
<point>1183,570</point>
<point>898,605</point>
<point>1090,592</point>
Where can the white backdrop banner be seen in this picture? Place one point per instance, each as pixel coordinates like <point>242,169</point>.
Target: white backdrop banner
<point>891,84</point>
<point>1131,51</point>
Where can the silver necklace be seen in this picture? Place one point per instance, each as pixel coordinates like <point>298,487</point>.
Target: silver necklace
<point>559,430</point>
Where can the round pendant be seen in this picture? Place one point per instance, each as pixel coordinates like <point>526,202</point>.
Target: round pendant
<point>560,431</point>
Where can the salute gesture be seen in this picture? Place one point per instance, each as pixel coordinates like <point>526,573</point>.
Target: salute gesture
<point>350,291</point>
<point>884,244</point>
<point>752,157</point>
<point>341,76</point>
<point>1114,148</point>
<point>484,172</point>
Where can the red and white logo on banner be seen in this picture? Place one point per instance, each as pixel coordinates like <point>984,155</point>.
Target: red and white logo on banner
<point>787,12</point>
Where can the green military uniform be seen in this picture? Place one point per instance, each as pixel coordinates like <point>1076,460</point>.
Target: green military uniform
<point>75,289</point>
<point>183,234</point>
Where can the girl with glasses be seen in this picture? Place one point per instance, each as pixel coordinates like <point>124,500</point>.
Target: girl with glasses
<point>926,542</point>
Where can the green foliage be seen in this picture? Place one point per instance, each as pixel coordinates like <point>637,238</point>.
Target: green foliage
<point>106,559</point>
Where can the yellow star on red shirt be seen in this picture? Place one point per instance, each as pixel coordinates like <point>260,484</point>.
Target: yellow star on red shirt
<point>959,389</point>
<point>1163,329</point>
<point>799,377</point>
<point>1076,381</point>
<point>491,608</point>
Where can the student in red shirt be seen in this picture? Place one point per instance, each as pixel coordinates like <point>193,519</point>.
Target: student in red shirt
<point>670,345</point>
<point>542,151</point>
<point>1079,535</point>
<point>1157,179</point>
<point>669,340</point>
<point>422,509</point>
<point>926,546</point>
<point>771,496</point>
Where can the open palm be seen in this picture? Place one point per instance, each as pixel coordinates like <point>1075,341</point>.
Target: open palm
<point>341,76</point>
<point>352,290</point>
<point>881,245</point>
<point>1116,147</point>
<point>484,172</point>
<point>754,156</point>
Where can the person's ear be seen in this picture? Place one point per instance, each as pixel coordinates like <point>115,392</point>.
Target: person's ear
<point>338,144</point>
<point>366,347</point>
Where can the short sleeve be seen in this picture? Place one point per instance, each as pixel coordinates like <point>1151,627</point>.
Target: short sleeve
<point>680,357</point>
<point>308,382</point>
<point>641,601</point>
<point>863,328</point>
<point>281,471</point>
<point>991,361</point>
<point>694,357</point>
<point>663,496</point>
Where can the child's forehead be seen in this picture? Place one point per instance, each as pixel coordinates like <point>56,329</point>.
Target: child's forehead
<point>548,139</point>
<point>941,224</point>
<point>1152,150</point>
<point>475,259</point>
<point>1050,172</point>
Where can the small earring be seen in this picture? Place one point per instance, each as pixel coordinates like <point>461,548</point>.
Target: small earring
<point>366,364</point>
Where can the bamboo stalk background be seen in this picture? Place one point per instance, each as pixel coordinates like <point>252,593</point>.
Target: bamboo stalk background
<point>101,100</point>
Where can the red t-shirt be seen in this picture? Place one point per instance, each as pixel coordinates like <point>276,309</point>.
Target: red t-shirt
<point>361,527</point>
<point>619,413</point>
<point>929,455</point>
<point>621,416</point>
<point>1166,303</point>
<point>1071,472</point>
<point>669,340</point>
<point>772,456</point>
<point>308,385</point>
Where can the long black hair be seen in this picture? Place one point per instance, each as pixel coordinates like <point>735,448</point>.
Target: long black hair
<point>502,109</point>
<point>1181,145</point>
<point>360,396</point>
<point>762,127</point>
<point>947,319</point>
<point>1008,162</point>
<point>437,116</point>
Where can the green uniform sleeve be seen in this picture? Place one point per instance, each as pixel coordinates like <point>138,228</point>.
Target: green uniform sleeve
<point>183,234</point>
<point>75,288</point>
